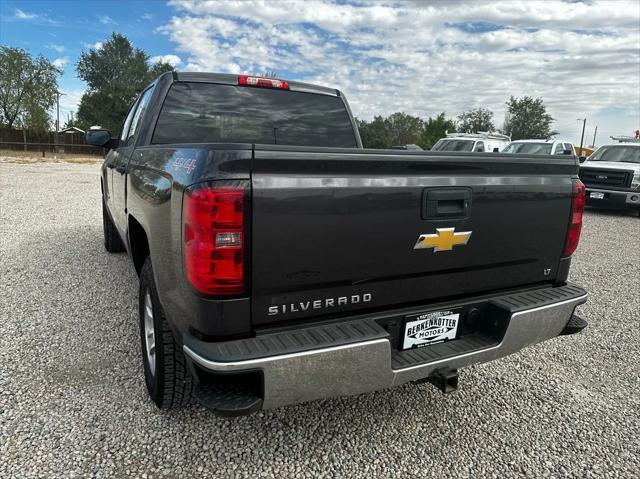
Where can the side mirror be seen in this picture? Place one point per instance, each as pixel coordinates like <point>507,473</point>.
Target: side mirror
<point>496,150</point>
<point>582,159</point>
<point>97,137</point>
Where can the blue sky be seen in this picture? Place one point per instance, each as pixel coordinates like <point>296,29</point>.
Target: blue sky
<point>422,57</point>
<point>61,30</point>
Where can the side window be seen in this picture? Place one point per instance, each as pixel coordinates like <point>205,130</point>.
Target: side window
<point>559,149</point>
<point>568,146</point>
<point>127,123</point>
<point>479,146</point>
<point>139,113</point>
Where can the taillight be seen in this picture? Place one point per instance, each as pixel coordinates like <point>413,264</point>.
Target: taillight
<point>262,82</point>
<point>214,236</point>
<point>575,225</point>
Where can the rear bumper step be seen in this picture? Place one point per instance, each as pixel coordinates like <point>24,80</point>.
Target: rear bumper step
<point>575,325</point>
<point>357,356</point>
<point>228,399</point>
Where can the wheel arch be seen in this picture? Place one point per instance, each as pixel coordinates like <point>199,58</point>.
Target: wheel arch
<point>138,243</point>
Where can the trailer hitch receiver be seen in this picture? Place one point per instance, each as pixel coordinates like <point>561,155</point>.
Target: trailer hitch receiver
<point>446,380</point>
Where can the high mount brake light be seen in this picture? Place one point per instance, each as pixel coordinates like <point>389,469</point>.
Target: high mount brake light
<point>214,234</point>
<point>575,225</point>
<point>245,80</point>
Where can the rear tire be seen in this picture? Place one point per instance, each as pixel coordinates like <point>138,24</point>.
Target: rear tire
<point>168,379</point>
<point>112,241</point>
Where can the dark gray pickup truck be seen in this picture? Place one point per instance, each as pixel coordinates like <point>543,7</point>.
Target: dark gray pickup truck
<point>281,262</point>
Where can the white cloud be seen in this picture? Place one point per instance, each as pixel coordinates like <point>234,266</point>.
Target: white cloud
<point>69,102</point>
<point>95,46</point>
<point>57,48</point>
<point>423,57</point>
<point>61,62</point>
<point>36,18</point>
<point>172,60</point>
<point>22,15</point>
<point>106,20</point>
<point>147,16</point>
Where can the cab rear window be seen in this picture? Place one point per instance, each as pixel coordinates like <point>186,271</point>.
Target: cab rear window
<point>213,113</point>
<point>453,145</point>
<point>529,148</point>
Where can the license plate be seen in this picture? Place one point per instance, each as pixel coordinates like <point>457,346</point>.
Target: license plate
<point>596,195</point>
<point>425,329</point>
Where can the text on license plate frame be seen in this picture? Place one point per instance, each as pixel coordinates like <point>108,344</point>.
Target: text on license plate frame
<point>430,327</point>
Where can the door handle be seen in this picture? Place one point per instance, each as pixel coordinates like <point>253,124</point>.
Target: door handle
<point>441,203</point>
<point>121,169</point>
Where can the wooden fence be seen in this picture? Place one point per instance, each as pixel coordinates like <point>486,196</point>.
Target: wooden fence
<point>49,142</point>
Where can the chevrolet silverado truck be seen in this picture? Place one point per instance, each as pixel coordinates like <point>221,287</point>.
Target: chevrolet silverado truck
<point>611,176</point>
<point>280,262</point>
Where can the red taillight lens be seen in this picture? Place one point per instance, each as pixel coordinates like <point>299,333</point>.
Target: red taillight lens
<point>262,82</point>
<point>214,238</point>
<point>575,226</point>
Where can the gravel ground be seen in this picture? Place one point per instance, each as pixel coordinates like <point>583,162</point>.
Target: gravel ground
<point>73,401</point>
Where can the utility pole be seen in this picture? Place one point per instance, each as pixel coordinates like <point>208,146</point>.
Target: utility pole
<point>58,111</point>
<point>594,137</point>
<point>55,138</point>
<point>584,124</point>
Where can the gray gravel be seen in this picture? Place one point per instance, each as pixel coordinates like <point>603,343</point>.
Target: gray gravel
<point>73,401</point>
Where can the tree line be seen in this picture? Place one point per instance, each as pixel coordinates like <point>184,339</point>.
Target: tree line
<point>526,117</point>
<point>117,72</point>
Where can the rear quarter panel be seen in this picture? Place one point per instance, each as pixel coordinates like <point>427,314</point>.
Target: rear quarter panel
<point>158,176</point>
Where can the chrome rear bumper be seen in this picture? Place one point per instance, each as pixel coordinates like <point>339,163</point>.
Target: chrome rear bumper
<point>366,366</point>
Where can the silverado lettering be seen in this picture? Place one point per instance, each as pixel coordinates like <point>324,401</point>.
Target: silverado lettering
<point>234,194</point>
<point>319,304</point>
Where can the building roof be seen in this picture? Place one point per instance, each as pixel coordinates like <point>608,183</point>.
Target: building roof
<point>71,129</point>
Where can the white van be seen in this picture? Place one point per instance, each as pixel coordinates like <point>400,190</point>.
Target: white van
<point>479,142</point>
<point>541,147</point>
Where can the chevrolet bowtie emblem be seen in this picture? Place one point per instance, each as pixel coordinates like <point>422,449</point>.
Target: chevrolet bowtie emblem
<point>443,240</point>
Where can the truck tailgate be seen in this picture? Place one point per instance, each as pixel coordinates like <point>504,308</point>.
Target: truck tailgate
<point>334,230</point>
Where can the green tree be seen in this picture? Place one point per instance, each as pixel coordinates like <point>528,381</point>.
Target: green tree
<point>473,121</point>
<point>396,129</point>
<point>115,74</point>
<point>38,123</point>
<point>404,129</point>
<point>527,118</point>
<point>436,128</point>
<point>28,86</point>
<point>374,134</point>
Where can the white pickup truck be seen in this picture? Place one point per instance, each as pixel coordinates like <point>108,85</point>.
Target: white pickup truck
<point>612,176</point>
<point>472,142</point>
